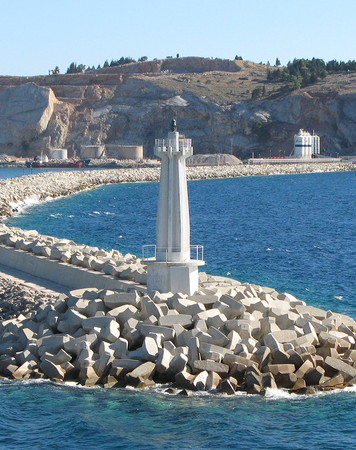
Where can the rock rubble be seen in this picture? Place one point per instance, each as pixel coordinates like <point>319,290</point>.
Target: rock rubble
<point>16,299</point>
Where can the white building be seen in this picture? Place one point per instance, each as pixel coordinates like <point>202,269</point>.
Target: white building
<point>306,145</point>
<point>171,269</point>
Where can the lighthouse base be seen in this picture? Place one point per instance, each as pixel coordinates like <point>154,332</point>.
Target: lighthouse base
<point>173,276</point>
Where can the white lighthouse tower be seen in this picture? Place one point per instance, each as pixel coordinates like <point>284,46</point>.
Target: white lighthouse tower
<point>172,269</point>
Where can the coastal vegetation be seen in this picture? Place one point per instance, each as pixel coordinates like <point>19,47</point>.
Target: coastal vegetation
<point>303,72</point>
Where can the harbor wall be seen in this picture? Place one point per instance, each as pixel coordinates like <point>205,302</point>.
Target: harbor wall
<point>61,273</point>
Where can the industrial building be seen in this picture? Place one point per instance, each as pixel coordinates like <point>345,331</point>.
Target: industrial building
<point>118,151</point>
<point>306,145</point>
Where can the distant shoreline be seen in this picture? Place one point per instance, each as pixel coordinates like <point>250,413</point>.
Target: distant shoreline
<point>38,187</point>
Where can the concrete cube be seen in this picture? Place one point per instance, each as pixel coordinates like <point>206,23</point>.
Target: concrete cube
<point>113,299</point>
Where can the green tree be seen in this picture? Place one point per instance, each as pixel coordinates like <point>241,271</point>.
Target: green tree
<point>278,63</point>
<point>74,68</point>
<point>258,92</point>
<point>295,82</point>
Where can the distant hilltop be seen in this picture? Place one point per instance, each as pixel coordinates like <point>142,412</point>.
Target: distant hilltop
<point>190,64</point>
<point>225,106</point>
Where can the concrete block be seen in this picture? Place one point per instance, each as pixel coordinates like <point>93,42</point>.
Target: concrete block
<point>185,306</point>
<point>70,321</point>
<point>279,356</point>
<point>94,306</point>
<point>85,357</point>
<point>120,367</point>
<point>201,326</point>
<point>204,299</point>
<point>142,372</point>
<point>110,269</point>
<point>334,382</point>
<point>168,345</point>
<point>253,377</point>
<point>75,346</point>
<point>120,348</point>
<point>317,313</point>
<point>175,319</point>
<point>184,380</point>
<point>261,356</point>
<point>166,332</point>
<point>200,381</point>
<point>206,349</point>
<point>177,364</point>
<point>281,369</point>
<point>147,352</point>
<point>234,338</point>
<point>96,321</point>
<point>268,381</point>
<point>211,366</point>
<point>305,340</point>
<point>315,376</point>
<point>284,335</point>
<point>308,329</point>
<point>149,308</point>
<point>295,358</point>
<point>293,301</point>
<point>113,299</point>
<point>104,349</point>
<point>52,344</point>
<point>88,376</point>
<point>124,313</point>
<point>59,358</point>
<point>163,360</point>
<point>226,386</point>
<point>51,370</point>
<point>217,337</point>
<point>22,371</point>
<point>347,370</point>
<point>304,368</point>
<point>101,365</point>
<point>193,351</point>
<point>131,333</point>
<point>249,290</point>
<point>179,339</point>
<point>111,332</point>
<point>213,381</point>
<point>287,320</point>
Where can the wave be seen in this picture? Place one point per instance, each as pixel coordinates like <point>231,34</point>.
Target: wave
<point>167,390</point>
<point>107,213</point>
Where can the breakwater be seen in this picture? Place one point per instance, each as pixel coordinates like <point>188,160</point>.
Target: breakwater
<point>15,191</point>
<point>228,336</point>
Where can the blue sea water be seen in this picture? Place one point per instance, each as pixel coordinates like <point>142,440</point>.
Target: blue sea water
<point>293,232</point>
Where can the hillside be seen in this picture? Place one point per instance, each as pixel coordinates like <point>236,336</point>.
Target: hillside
<point>211,99</point>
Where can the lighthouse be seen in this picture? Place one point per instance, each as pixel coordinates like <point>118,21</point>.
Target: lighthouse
<point>174,265</point>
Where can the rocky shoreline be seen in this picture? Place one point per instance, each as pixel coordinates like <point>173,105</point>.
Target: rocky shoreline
<point>41,186</point>
<point>227,337</point>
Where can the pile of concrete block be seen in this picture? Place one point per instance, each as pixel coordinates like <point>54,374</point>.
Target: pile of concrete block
<point>227,337</point>
<point>126,267</point>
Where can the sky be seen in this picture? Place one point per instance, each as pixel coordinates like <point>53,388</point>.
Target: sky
<point>37,35</point>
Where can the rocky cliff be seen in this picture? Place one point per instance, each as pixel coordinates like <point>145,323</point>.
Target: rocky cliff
<point>211,99</point>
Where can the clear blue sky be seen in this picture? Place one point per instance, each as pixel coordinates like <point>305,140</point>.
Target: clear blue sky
<point>37,35</point>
